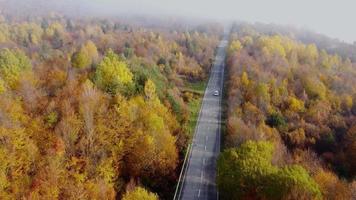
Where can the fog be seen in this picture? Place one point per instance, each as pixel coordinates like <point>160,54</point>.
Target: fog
<point>330,17</point>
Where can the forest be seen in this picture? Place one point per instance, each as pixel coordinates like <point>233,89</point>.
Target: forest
<point>291,119</point>
<point>98,108</point>
<point>306,36</point>
<point>97,104</point>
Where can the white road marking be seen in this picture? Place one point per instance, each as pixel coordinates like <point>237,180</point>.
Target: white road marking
<point>205,147</point>
<point>199,193</point>
<point>203,161</point>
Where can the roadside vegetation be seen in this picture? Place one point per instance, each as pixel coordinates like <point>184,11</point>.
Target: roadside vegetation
<point>193,94</point>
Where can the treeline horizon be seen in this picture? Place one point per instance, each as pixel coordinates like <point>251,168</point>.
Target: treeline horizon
<point>322,41</point>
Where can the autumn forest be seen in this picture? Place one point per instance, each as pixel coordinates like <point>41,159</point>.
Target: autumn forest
<point>291,119</point>
<point>105,108</point>
<point>92,108</point>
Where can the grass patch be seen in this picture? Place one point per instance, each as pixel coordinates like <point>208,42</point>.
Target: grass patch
<point>194,104</point>
<point>194,108</point>
<point>196,87</point>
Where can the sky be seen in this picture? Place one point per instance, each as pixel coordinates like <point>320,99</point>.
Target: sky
<point>335,18</point>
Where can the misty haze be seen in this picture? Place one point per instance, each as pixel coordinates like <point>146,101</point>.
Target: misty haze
<point>182,100</point>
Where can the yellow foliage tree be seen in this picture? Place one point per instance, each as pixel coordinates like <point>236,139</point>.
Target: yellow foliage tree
<point>92,51</point>
<point>150,90</point>
<point>81,59</point>
<point>235,46</point>
<point>2,86</point>
<point>151,144</point>
<point>13,63</point>
<point>295,104</point>
<point>272,46</point>
<point>245,80</point>
<point>139,194</point>
<point>112,74</point>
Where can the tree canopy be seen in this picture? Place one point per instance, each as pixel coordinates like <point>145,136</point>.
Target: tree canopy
<point>13,63</point>
<point>112,74</point>
<point>140,193</point>
<point>300,98</point>
<point>247,171</point>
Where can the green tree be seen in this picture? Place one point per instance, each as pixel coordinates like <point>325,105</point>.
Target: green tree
<point>247,171</point>
<point>276,120</point>
<point>242,171</point>
<point>291,179</point>
<point>112,74</point>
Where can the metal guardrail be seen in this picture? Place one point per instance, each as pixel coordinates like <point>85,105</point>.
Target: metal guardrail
<point>182,172</point>
<point>181,179</point>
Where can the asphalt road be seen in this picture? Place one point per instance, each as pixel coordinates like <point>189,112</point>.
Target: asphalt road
<point>199,179</point>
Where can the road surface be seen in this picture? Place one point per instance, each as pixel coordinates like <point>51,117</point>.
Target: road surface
<point>199,179</point>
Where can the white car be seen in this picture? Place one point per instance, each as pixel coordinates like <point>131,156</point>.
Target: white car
<point>216,93</point>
